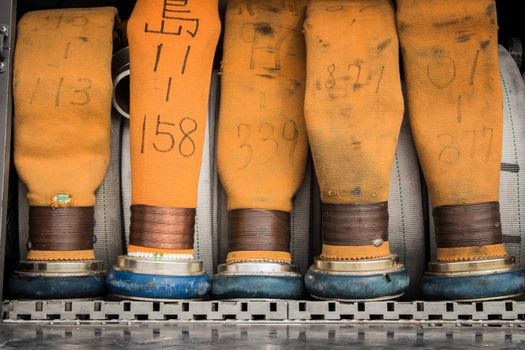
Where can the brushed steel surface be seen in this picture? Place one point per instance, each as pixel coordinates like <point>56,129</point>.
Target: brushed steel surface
<point>362,266</point>
<point>60,268</point>
<point>159,267</point>
<point>472,267</point>
<point>120,73</point>
<point>258,268</point>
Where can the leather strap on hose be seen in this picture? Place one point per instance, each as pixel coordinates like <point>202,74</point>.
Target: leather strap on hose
<point>61,228</point>
<point>355,231</point>
<point>162,227</point>
<point>355,225</point>
<point>259,229</point>
<point>467,225</point>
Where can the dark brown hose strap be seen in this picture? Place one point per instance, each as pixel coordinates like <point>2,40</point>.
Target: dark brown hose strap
<point>355,225</point>
<point>162,227</point>
<point>259,229</point>
<point>467,225</point>
<point>69,228</point>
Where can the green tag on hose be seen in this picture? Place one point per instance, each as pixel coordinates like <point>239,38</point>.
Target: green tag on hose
<point>62,198</point>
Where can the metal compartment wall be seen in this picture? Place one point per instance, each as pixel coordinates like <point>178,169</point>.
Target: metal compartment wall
<point>103,311</point>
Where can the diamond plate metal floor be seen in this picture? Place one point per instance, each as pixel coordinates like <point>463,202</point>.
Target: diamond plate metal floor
<point>231,336</point>
<point>261,324</point>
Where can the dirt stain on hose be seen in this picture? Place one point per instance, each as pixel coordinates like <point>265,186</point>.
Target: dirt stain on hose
<point>267,76</point>
<point>463,36</point>
<point>451,22</point>
<point>264,29</point>
<point>489,11</point>
<point>383,44</point>
<point>356,192</point>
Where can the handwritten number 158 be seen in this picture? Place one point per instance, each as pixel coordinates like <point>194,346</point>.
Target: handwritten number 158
<point>165,140</point>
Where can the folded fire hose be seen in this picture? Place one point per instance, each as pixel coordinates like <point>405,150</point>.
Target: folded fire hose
<point>406,222</point>
<point>450,56</point>
<point>262,146</point>
<point>512,179</point>
<point>406,234</point>
<point>206,233</point>
<point>62,96</point>
<point>450,273</point>
<point>171,49</point>
<point>353,109</point>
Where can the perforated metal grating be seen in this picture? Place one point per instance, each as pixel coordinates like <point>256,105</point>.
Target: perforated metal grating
<point>262,310</point>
